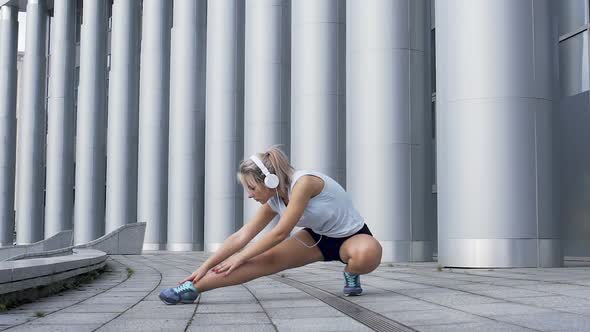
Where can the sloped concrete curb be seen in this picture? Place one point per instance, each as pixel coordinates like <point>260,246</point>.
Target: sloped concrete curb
<point>60,240</point>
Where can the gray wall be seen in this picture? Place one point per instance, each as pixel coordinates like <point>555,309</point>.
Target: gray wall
<point>572,159</point>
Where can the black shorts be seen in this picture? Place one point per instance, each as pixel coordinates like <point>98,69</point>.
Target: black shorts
<point>330,246</point>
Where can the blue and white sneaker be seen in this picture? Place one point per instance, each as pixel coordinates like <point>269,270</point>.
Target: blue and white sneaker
<point>185,293</point>
<point>352,284</point>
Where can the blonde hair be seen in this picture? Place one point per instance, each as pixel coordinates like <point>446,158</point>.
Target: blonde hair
<point>276,162</point>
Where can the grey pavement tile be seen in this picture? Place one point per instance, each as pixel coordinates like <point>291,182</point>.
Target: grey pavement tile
<point>220,300</point>
<point>225,308</point>
<point>168,312</point>
<point>304,312</point>
<point>429,292</point>
<point>14,319</point>
<point>233,328</point>
<point>554,301</point>
<point>577,310</point>
<point>54,328</point>
<point>292,303</point>
<point>144,325</point>
<point>111,299</point>
<point>319,324</point>
<point>292,296</point>
<point>409,305</point>
<point>65,318</point>
<point>508,292</point>
<point>230,318</point>
<point>431,317</point>
<point>460,299</point>
<point>483,326</point>
<point>582,292</point>
<point>500,308</point>
<point>85,307</point>
<point>551,321</point>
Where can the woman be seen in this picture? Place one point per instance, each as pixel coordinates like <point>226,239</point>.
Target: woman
<point>334,230</point>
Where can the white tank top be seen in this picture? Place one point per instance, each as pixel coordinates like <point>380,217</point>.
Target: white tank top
<point>329,213</point>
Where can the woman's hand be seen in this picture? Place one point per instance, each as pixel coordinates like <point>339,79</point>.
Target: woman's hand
<point>229,264</point>
<point>195,276</point>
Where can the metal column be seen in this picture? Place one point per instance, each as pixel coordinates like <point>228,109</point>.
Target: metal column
<point>318,87</point>
<point>8,81</point>
<point>59,198</point>
<point>122,129</point>
<point>224,121</point>
<point>267,95</point>
<point>91,132</point>
<point>31,128</point>
<point>187,126</point>
<point>154,99</point>
<point>494,106</point>
<point>387,108</point>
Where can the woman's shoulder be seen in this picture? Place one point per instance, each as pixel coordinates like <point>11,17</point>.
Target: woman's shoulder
<point>299,174</point>
<point>310,180</point>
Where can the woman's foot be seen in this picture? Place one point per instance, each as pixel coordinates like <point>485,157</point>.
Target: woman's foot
<point>352,284</point>
<point>185,293</point>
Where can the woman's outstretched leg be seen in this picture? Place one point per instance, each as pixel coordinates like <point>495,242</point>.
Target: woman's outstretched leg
<point>286,255</point>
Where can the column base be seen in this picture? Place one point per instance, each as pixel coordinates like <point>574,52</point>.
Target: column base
<point>407,251</point>
<point>154,246</point>
<point>212,247</point>
<point>184,247</point>
<point>500,253</point>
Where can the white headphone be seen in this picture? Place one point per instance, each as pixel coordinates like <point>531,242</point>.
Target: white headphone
<point>271,181</point>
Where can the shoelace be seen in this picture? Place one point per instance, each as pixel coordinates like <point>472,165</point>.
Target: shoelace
<point>184,287</point>
<point>351,279</point>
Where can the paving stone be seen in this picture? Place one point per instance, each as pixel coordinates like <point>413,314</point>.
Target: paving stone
<point>550,321</point>
<point>305,312</point>
<point>54,328</point>
<point>234,328</point>
<point>144,325</point>
<point>232,307</point>
<point>500,308</point>
<point>470,327</point>
<point>319,324</point>
<point>230,318</point>
<point>391,306</point>
<point>97,308</point>
<point>430,317</point>
<point>68,318</point>
<point>10,319</point>
<point>292,303</point>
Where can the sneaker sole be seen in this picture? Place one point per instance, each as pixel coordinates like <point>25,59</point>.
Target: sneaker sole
<point>353,293</point>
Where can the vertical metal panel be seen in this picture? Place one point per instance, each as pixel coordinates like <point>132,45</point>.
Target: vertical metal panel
<point>224,120</point>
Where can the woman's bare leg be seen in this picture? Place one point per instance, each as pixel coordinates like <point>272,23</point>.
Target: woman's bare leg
<point>362,254</point>
<point>286,255</point>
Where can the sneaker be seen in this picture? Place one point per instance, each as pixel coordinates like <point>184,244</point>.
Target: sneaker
<point>185,293</point>
<point>352,284</point>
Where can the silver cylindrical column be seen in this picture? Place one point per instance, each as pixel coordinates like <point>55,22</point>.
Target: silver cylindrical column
<point>59,197</point>
<point>494,105</point>
<point>91,132</point>
<point>267,81</point>
<point>224,128</point>
<point>31,128</point>
<point>152,200</point>
<point>387,100</point>
<point>318,87</point>
<point>8,51</point>
<point>187,126</point>
<point>122,129</point>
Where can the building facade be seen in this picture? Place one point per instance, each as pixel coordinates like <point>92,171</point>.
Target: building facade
<point>459,128</point>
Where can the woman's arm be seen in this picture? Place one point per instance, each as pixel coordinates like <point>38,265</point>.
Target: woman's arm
<point>306,188</point>
<point>236,241</point>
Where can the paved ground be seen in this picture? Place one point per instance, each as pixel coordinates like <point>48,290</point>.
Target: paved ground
<point>397,297</point>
